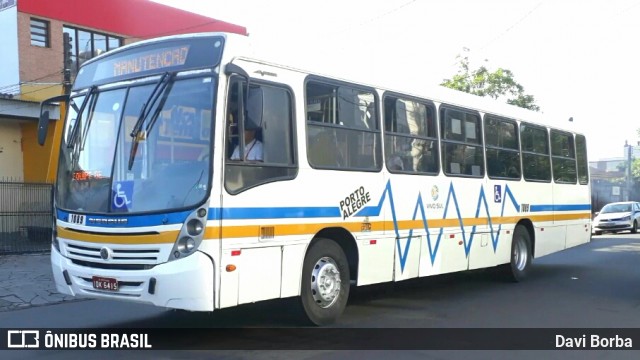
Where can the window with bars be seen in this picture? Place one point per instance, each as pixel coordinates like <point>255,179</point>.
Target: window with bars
<point>39,33</point>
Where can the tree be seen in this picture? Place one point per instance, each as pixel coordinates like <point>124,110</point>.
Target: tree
<point>496,84</point>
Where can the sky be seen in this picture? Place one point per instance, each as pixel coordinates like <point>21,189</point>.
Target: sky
<point>578,58</point>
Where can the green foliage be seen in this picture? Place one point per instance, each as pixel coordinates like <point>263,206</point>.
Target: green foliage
<point>497,84</point>
<point>635,171</point>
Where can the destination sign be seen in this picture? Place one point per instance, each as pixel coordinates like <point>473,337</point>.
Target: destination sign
<point>158,59</point>
<point>136,61</point>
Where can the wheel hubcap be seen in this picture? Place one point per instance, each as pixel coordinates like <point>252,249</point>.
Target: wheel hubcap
<point>520,255</point>
<point>325,282</point>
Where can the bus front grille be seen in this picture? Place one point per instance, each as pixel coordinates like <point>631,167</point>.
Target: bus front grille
<point>129,257</point>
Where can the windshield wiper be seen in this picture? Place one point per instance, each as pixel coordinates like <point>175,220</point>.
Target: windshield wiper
<point>74,132</point>
<point>159,108</point>
<point>136,134</point>
<point>79,131</point>
<point>87,123</point>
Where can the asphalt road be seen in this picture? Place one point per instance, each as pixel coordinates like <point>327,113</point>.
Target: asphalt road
<point>591,286</point>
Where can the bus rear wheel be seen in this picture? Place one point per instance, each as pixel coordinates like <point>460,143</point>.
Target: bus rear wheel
<point>521,255</point>
<point>325,282</point>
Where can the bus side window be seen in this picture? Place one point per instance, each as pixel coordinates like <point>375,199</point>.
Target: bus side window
<point>410,136</point>
<point>535,153</point>
<point>461,142</point>
<point>342,126</point>
<point>323,149</point>
<point>501,148</point>
<point>274,134</point>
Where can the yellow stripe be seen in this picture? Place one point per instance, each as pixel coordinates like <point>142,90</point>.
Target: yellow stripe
<point>240,231</point>
<point>158,238</point>
<point>561,217</point>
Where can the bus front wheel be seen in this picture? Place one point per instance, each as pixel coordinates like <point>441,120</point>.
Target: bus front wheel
<point>325,282</point>
<point>521,255</point>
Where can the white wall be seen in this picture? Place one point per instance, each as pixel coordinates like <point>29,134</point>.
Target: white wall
<point>10,73</point>
<point>11,166</point>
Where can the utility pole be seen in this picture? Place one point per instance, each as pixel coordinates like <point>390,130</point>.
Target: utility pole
<point>629,150</point>
<point>66,65</point>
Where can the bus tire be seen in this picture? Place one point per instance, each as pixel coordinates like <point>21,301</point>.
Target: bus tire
<point>325,282</point>
<point>521,254</point>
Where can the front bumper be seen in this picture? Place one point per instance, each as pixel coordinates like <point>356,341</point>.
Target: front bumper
<point>181,284</point>
<point>613,226</point>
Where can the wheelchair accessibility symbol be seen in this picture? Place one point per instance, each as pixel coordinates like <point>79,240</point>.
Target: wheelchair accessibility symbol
<point>122,195</point>
<point>497,193</point>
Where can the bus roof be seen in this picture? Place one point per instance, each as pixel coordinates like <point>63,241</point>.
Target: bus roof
<point>244,48</point>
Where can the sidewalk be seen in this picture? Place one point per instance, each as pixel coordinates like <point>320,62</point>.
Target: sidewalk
<point>26,280</point>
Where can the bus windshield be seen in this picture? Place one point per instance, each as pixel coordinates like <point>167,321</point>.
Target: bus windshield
<point>139,145</point>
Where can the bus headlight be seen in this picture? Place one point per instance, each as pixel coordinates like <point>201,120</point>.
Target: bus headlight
<point>195,227</point>
<point>191,235</point>
<point>186,245</point>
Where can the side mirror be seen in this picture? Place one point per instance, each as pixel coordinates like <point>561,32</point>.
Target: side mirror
<point>596,213</point>
<point>43,126</point>
<point>235,69</point>
<point>43,122</point>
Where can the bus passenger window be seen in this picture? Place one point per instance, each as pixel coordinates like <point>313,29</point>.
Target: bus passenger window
<point>502,148</point>
<point>563,159</point>
<point>535,153</point>
<point>410,135</point>
<point>461,143</point>
<point>342,127</point>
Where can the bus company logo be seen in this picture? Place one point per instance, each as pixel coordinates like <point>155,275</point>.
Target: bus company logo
<point>105,253</point>
<point>435,192</point>
<point>107,221</point>
<point>20,339</point>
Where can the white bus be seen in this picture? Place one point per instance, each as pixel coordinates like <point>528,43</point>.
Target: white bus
<point>192,176</point>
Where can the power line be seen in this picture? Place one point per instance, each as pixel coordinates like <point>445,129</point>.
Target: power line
<point>34,80</point>
<point>500,35</point>
<point>174,31</point>
<point>374,18</point>
<point>386,13</point>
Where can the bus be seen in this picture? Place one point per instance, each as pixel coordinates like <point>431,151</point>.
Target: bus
<point>195,175</point>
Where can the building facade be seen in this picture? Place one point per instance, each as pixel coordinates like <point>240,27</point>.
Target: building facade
<point>33,63</point>
<point>611,180</point>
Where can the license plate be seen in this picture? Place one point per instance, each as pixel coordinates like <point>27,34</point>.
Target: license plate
<point>104,283</point>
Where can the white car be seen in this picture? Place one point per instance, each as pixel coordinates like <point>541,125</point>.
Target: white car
<point>616,217</point>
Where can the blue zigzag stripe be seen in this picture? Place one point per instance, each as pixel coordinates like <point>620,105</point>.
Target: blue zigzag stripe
<point>433,249</point>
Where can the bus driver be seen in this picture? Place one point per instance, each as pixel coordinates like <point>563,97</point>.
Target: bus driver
<point>252,147</point>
